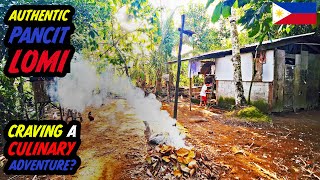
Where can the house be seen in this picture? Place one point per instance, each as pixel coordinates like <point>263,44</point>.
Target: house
<point>288,72</point>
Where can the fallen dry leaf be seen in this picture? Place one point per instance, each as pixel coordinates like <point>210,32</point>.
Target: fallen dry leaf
<point>166,158</point>
<point>154,164</point>
<point>149,173</point>
<point>173,156</point>
<point>175,168</point>
<point>180,159</point>
<point>164,149</point>
<point>187,160</point>
<point>184,168</point>
<point>180,163</point>
<point>192,171</point>
<point>182,152</point>
<point>157,149</point>
<point>149,159</point>
<point>236,150</point>
<point>177,173</point>
<point>192,154</point>
<point>193,164</point>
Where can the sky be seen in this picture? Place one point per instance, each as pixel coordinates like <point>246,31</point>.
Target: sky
<point>172,4</point>
<point>179,4</point>
<point>168,5</point>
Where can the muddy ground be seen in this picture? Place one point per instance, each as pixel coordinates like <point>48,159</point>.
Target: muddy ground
<point>114,145</point>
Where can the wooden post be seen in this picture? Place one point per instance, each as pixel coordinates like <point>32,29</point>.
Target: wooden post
<point>168,92</point>
<point>168,81</point>
<point>175,111</point>
<point>22,104</point>
<point>190,85</point>
<point>190,92</point>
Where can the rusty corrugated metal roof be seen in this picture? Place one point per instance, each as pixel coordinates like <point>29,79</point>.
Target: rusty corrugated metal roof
<point>266,45</point>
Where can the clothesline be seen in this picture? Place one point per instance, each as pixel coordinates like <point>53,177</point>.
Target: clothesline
<point>194,68</point>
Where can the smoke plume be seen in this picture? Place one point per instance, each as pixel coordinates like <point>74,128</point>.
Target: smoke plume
<point>84,87</point>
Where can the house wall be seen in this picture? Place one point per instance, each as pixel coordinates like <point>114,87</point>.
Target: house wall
<point>260,90</point>
<point>224,67</point>
<point>224,76</point>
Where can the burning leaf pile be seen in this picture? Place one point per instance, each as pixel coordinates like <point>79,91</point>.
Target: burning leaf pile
<point>166,162</point>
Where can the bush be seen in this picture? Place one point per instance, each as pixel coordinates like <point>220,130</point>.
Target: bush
<point>226,103</point>
<point>195,101</point>
<point>261,105</point>
<point>252,113</point>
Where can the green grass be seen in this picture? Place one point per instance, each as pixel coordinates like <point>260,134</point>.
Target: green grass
<point>261,105</point>
<point>226,102</point>
<point>253,114</point>
<point>195,101</point>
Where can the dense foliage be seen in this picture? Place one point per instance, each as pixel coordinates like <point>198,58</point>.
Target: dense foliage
<point>256,17</point>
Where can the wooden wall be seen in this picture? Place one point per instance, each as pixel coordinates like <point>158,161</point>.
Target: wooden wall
<point>313,81</point>
<point>300,81</point>
<point>279,68</point>
<point>306,82</point>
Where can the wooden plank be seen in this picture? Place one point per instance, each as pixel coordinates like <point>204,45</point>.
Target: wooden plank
<point>317,76</point>
<point>297,83</point>
<point>279,65</point>
<point>270,97</point>
<point>288,91</point>
<point>292,56</point>
<point>313,82</point>
<point>303,83</point>
<point>217,93</point>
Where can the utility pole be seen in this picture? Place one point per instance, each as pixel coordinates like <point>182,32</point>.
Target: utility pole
<point>175,111</point>
<point>189,33</point>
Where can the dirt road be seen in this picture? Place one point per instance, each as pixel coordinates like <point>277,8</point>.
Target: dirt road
<point>287,149</point>
<point>113,145</point>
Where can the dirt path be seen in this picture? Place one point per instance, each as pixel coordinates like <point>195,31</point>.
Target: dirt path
<point>113,145</point>
<point>287,149</point>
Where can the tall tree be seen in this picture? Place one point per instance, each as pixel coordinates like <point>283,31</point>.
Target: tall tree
<point>206,38</point>
<point>236,61</point>
<point>226,11</point>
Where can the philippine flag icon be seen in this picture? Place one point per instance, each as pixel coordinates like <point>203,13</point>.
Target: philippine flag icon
<point>294,13</point>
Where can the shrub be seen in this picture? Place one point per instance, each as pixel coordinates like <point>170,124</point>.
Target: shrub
<point>261,105</point>
<point>195,101</point>
<point>252,113</point>
<point>226,103</point>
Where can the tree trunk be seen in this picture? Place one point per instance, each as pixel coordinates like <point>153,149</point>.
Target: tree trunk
<point>158,82</point>
<point>126,69</point>
<point>21,99</point>
<point>124,60</point>
<point>168,83</point>
<point>240,100</point>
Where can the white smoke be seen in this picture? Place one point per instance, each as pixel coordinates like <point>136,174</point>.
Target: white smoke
<point>75,90</point>
<point>84,87</point>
